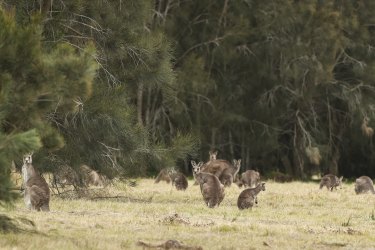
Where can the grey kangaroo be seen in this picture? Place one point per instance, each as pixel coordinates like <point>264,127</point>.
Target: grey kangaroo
<point>331,181</point>
<point>37,194</point>
<point>248,197</point>
<point>364,184</point>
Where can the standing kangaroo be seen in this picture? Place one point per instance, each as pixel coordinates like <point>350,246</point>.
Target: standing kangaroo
<point>331,181</point>
<point>248,197</point>
<point>211,188</point>
<point>250,178</point>
<point>37,194</point>
<point>229,175</point>
<point>196,169</point>
<point>215,166</point>
<point>364,184</point>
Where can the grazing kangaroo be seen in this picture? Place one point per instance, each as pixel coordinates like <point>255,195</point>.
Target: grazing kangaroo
<point>250,178</point>
<point>37,194</point>
<point>230,173</point>
<point>211,188</point>
<point>248,197</point>
<point>331,181</point>
<point>178,180</point>
<point>163,176</point>
<point>364,184</point>
<point>64,175</point>
<point>91,177</point>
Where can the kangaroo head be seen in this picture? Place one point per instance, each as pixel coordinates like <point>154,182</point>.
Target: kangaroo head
<point>196,167</point>
<point>27,158</point>
<point>171,171</point>
<point>213,155</point>
<point>237,167</point>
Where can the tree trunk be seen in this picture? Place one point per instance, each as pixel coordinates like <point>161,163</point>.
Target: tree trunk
<point>287,165</point>
<point>213,137</point>
<point>45,6</point>
<point>231,149</point>
<point>140,103</point>
<point>148,107</point>
<point>298,154</point>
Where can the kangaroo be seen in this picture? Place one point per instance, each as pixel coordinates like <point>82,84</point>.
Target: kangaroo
<point>215,166</point>
<point>229,175</point>
<point>250,178</point>
<point>248,197</point>
<point>331,181</point>
<point>364,184</point>
<point>211,188</point>
<point>178,180</point>
<point>91,177</point>
<point>37,194</point>
<point>65,175</point>
<point>95,179</point>
<point>196,169</point>
<point>163,176</point>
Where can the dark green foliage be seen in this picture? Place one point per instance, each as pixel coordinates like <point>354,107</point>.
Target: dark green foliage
<point>284,85</point>
<point>35,83</point>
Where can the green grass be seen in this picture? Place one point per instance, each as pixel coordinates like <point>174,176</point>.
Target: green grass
<point>289,216</point>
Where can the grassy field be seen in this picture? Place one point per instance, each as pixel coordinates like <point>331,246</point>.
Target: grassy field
<point>289,216</point>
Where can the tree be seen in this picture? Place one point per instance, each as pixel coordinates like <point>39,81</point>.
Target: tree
<point>34,83</point>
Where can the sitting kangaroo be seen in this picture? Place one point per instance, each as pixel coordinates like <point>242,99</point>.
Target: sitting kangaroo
<point>178,180</point>
<point>331,181</point>
<point>364,184</point>
<point>248,197</point>
<point>37,192</point>
<point>250,178</point>
<point>211,188</point>
<point>229,175</point>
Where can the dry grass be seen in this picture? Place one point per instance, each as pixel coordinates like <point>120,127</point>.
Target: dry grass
<point>289,216</point>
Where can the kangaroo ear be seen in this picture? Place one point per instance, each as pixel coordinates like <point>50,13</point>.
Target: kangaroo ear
<point>193,163</point>
<point>234,162</point>
<point>200,164</point>
<point>341,178</point>
<point>239,161</point>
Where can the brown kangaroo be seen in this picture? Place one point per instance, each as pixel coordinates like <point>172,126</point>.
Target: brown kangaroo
<point>250,178</point>
<point>364,184</point>
<point>215,166</point>
<point>37,194</point>
<point>211,188</point>
<point>248,197</point>
<point>163,176</point>
<point>331,181</point>
<point>229,175</point>
<point>91,177</point>
<point>64,175</point>
<point>178,180</point>
<point>196,169</point>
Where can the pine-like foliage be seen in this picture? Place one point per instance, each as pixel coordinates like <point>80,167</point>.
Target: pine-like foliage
<point>123,128</point>
<point>35,83</point>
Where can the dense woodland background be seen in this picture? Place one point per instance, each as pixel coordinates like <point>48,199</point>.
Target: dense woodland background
<point>129,87</point>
